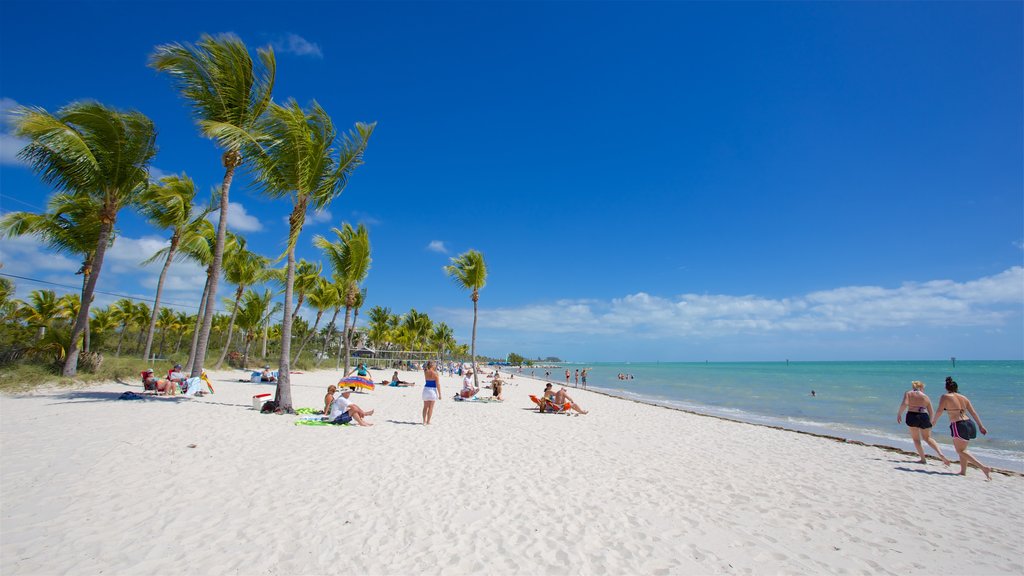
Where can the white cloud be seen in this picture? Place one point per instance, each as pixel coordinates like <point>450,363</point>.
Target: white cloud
<point>238,219</point>
<point>295,44</point>
<point>10,144</point>
<point>437,246</point>
<point>319,217</point>
<point>988,301</point>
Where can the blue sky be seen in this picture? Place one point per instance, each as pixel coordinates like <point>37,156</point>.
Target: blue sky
<point>647,181</point>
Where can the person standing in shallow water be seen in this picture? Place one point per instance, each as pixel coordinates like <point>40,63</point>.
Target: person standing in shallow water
<point>919,419</point>
<point>961,428</point>
<point>431,391</point>
<point>567,376</point>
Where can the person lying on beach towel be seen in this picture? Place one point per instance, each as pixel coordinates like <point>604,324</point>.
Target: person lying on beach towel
<point>396,382</point>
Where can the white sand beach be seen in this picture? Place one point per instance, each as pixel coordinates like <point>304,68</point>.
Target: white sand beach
<point>90,484</point>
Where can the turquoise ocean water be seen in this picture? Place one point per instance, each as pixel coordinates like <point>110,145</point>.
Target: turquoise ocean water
<point>854,400</point>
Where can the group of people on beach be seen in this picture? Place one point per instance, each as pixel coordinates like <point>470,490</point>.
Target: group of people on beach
<point>920,418</point>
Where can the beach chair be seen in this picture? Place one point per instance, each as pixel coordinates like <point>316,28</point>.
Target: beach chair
<point>146,386</point>
<point>545,405</point>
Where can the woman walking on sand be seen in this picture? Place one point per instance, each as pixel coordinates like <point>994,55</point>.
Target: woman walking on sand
<point>960,426</point>
<point>431,391</point>
<point>919,419</point>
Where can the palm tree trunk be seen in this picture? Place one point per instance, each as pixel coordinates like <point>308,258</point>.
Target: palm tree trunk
<point>344,342</point>
<point>86,267</point>
<point>156,300</point>
<point>120,337</point>
<point>163,337</point>
<point>266,332</point>
<point>312,332</point>
<point>284,384</point>
<point>231,326</point>
<point>245,353</point>
<point>199,320</point>
<point>177,346</point>
<point>231,159</point>
<point>71,362</point>
<point>476,381</point>
<point>330,332</point>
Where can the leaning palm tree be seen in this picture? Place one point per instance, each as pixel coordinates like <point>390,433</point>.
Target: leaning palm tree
<point>170,205</point>
<point>469,272</point>
<point>243,269</point>
<point>71,225</point>
<point>338,300</point>
<point>165,321</point>
<point>228,94</point>
<point>99,154</point>
<point>300,161</point>
<point>350,258</point>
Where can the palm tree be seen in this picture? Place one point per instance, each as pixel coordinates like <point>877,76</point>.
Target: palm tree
<point>228,94</point>
<point>170,205</point>
<point>469,272</point>
<point>350,257</point>
<point>243,269</point>
<point>321,297</point>
<point>254,313</point>
<point>102,324</point>
<point>70,225</point>
<point>301,161</point>
<point>165,321</point>
<point>307,276</point>
<point>182,321</point>
<point>99,154</point>
<point>442,339</point>
<point>123,312</point>
<point>42,307</point>
<point>141,319</point>
<point>380,325</point>
<point>338,300</point>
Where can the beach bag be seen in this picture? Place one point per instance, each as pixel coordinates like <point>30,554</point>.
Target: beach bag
<point>269,407</point>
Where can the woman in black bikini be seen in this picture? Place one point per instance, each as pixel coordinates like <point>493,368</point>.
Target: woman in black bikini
<point>960,426</point>
<point>919,419</point>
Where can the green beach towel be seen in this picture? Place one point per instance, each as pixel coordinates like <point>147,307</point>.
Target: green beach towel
<point>308,411</point>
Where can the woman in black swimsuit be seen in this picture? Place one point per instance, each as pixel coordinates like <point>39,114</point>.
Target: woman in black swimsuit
<point>919,419</point>
<point>960,426</point>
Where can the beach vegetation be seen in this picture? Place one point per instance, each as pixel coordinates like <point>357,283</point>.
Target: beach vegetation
<point>229,93</point>
<point>97,159</point>
<point>101,157</point>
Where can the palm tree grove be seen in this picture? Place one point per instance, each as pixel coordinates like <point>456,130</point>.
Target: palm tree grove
<point>98,161</point>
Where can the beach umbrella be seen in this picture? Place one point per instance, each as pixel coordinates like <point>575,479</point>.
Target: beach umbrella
<point>356,381</point>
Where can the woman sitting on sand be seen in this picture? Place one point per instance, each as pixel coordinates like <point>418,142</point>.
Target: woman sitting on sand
<point>468,391</point>
<point>329,398</point>
<point>919,419</point>
<point>496,388</point>
<point>396,382</point>
<point>960,426</point>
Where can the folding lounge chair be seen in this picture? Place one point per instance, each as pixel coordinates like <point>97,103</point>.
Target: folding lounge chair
<point>546,405</point>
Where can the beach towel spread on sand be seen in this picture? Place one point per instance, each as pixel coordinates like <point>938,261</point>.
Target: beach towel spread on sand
<point>308,411</point>
<point>476,399</point>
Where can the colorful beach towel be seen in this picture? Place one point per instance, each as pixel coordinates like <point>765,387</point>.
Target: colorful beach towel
<point>308,411</point>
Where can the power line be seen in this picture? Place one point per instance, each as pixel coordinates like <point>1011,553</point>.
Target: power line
<point>115,294</point>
